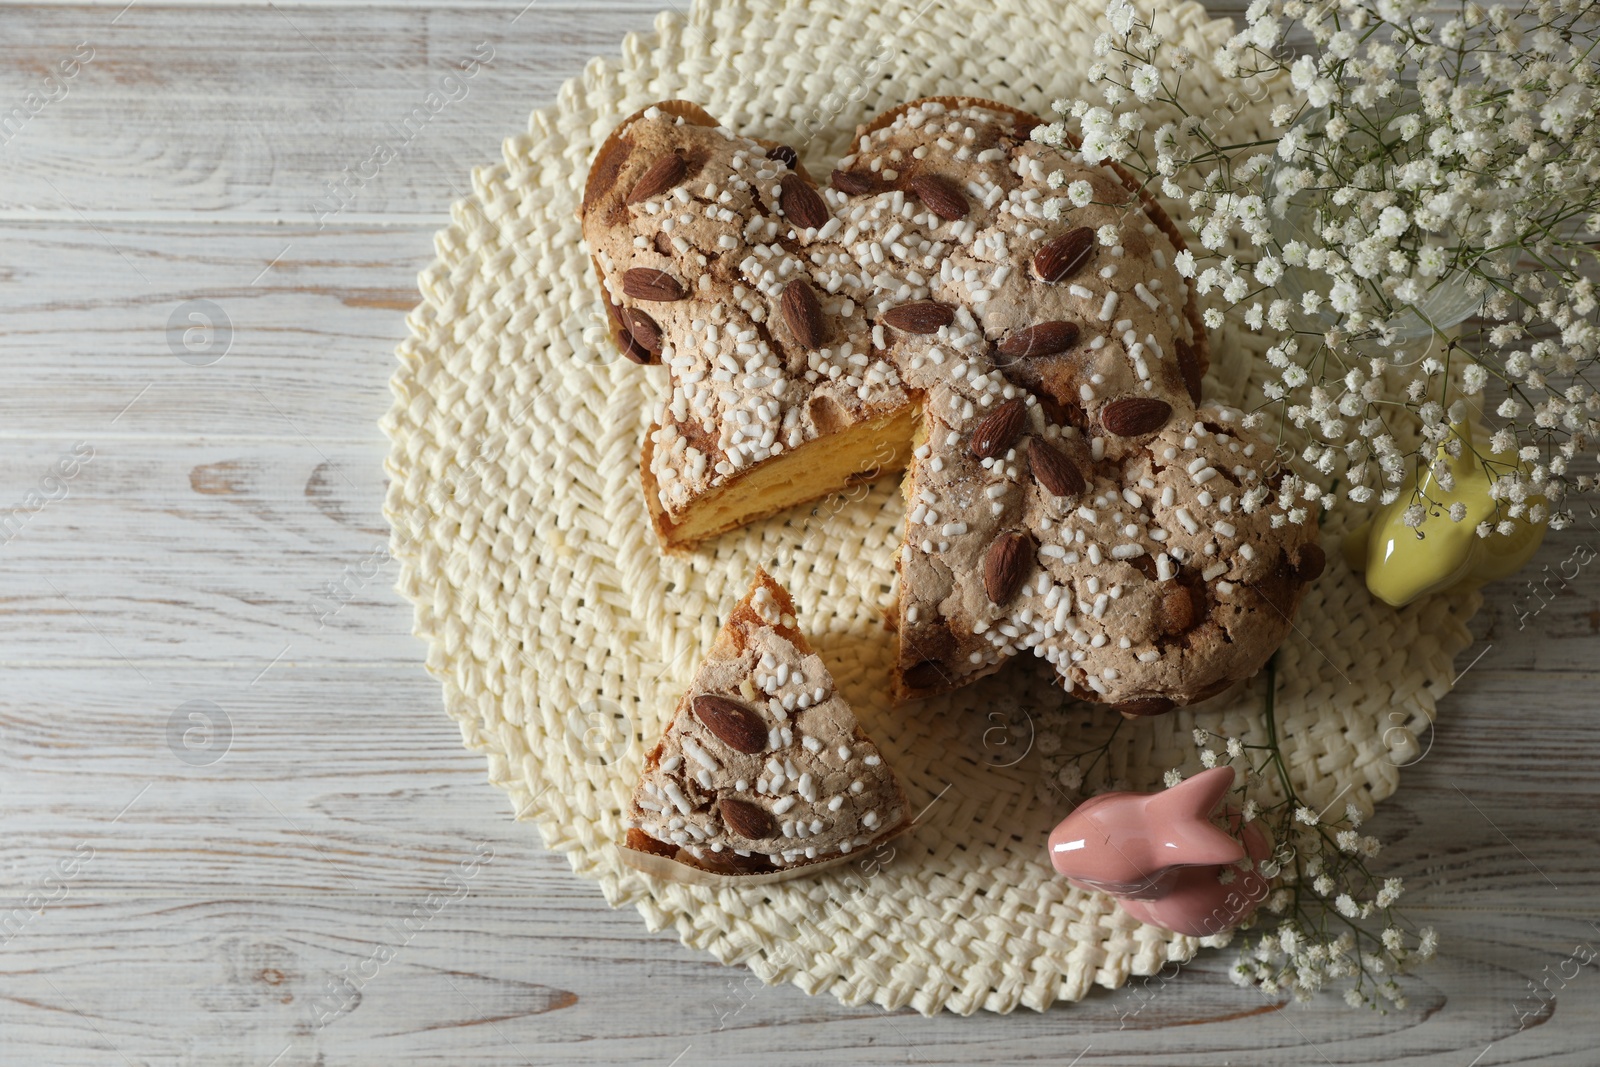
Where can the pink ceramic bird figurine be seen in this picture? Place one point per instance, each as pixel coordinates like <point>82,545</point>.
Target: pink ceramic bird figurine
<point>1161,856</point>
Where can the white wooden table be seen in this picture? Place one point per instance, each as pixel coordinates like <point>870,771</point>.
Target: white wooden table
<point>236,828</point>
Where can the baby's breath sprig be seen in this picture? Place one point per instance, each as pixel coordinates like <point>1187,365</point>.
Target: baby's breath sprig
<point>1332,921</point>
<point>1328,922</point>
<point>1422,167</point>
<point>1064,774</point>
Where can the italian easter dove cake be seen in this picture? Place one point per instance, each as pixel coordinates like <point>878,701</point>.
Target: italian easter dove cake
<point>1032,364</point>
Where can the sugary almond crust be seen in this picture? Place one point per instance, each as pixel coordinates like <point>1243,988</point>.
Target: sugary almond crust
<point>814,790</point>
<point>1069,493</point>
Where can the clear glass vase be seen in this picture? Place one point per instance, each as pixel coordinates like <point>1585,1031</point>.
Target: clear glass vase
<point>1447,304</point>
<point>1448,300</point>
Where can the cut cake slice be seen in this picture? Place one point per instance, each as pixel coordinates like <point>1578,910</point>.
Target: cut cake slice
<point>763,771</point>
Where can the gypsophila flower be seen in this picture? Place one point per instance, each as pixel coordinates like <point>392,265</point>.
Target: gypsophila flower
<point>1487,160</point>
<point>1070,777</point>
<point>1145,82</point>
<point>1122,16</point>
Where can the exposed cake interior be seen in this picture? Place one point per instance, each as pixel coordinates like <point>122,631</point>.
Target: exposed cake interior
<point>876,446</point>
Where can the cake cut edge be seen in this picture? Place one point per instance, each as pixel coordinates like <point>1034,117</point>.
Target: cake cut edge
<point>858,453</point>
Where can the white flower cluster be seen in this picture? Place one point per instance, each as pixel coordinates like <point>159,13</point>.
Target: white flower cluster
<point>1325,904</point>
<point>1292,960</point>
<point>1424,169</point>
<point>1327,922</point>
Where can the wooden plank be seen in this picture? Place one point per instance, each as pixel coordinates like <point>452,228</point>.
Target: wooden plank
<point>282,783</point>
<point>490,980</point>
<point>294,338</point>
<point>163,117</point>
<point>238,553</point>
<point>224,904</point>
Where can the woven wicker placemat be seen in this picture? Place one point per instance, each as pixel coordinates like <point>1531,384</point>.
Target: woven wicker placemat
<point>563,638</point>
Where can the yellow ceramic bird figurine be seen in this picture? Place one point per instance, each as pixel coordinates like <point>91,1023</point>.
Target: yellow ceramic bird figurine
<point>1402,566</point>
